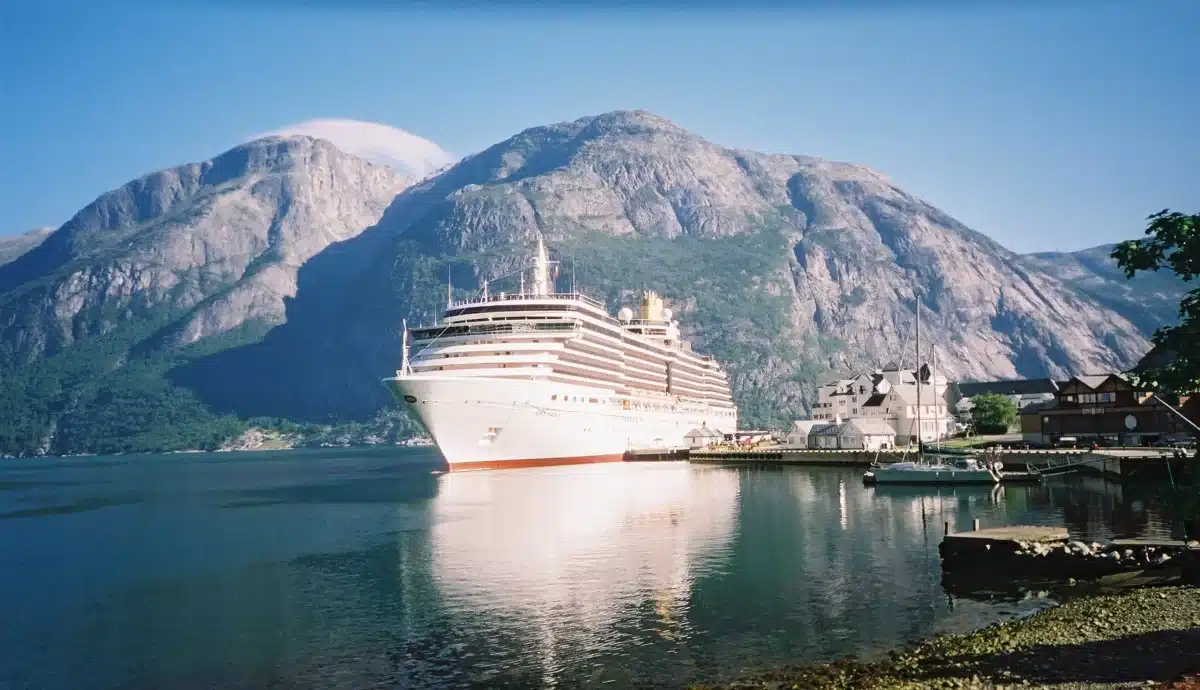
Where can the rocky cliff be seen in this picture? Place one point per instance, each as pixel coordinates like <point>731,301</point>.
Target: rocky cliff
<point>1149,299</point>
<point>785,267</point>
<point>200,252</point>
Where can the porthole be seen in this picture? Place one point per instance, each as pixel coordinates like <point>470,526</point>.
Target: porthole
<point>410,399</point>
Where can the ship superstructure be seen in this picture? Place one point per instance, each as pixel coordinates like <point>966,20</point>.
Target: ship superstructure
<point>544,378</point>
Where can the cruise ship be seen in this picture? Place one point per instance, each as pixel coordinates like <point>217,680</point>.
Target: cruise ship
<point>541,377</point>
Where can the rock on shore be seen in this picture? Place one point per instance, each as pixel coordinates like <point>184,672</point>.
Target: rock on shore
<point>1142,638</point>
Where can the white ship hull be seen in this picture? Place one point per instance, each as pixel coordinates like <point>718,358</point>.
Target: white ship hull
<point>481,423</point>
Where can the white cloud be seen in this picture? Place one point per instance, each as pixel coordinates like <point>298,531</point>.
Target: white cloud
<point>378,143</point>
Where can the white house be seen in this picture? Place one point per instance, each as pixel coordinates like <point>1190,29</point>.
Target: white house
<point>890,394</point>
<point>860,433</point>
<point>702,437</point>
<point>824,436</point>
<point>865,433</point>
<point>797,436</point>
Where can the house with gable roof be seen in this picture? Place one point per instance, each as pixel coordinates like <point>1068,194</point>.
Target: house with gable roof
<point>1106,409</point>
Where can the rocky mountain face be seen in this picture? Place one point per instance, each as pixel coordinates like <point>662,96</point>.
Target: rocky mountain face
<point>198,252</point>
<point>787,268</point>
<point>1149,299</point>
<point>216,243</point>
<point>12,246</point>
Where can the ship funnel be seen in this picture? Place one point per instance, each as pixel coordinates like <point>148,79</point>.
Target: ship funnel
<point>652,306</point>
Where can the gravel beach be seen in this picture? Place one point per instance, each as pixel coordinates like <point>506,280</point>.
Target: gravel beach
<point>1141,638</point>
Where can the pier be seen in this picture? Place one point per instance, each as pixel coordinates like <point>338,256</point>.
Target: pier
<point>1111,463</point>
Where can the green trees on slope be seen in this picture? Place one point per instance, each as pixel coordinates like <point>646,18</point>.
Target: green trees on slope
<point>1172,243</point>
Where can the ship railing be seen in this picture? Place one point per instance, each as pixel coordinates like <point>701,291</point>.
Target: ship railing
<point>516,297</point>
<point>432,333</point>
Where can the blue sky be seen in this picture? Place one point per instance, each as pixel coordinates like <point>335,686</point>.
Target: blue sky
<point>1047,128</point>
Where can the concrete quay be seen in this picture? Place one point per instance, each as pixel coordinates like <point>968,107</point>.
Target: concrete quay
<point>1115,463</point>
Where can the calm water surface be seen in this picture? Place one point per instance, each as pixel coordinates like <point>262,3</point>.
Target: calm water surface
<point>352,569</point>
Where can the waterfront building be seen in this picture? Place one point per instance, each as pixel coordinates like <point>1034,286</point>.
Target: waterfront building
<point>1106,409</point>
<point>797,436</point>
<point>703,437</point>
<point>890,394</point>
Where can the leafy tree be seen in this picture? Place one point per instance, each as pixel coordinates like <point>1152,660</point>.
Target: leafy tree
<point>1172,243</point>
<point>992,413</point>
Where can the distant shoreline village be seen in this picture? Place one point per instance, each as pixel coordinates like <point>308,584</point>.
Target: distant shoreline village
<point>880,411</point>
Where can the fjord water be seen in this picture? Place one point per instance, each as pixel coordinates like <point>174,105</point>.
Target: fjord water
<point>351,569</point>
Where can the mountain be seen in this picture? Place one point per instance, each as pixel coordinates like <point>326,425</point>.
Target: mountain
<point>275,288</point>
<point>203,252</point>
<point>1149,299</point>
<point>408,154</point>
<point>12,246</point>
<point>785,267</point>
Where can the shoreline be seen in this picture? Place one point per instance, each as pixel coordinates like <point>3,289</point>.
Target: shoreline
<point>1138,638</point>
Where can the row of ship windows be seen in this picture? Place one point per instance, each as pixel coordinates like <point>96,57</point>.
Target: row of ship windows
<point>509,353</point>
<point>706,371</point>
<point>627,405</point>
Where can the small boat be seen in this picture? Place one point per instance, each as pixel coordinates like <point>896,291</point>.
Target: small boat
<point>959,471</point>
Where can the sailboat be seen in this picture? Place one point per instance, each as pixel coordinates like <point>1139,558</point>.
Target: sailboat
<point>939,470</point>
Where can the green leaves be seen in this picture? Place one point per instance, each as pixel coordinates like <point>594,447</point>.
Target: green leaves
<point>1172,243</point>
<point>992,413</point>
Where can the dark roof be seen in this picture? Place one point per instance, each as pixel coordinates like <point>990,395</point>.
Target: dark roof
<point>830,429</point>
<point>1032,408</point>
<point>891,366</point>
<point>875,400</point>
<point>1096,380</point>
<point>970,389</point>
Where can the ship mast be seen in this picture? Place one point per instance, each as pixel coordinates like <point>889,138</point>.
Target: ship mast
<point>404,348</point>
<point>919,444</point>
<point>937,408</point>
<point>541,270</point>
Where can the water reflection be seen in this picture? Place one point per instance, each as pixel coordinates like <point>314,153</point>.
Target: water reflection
<point>589,560</point>
<point>348,570</point>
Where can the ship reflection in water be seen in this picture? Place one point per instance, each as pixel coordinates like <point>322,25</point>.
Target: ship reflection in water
<point>347,569</point>
<point>580,561</point>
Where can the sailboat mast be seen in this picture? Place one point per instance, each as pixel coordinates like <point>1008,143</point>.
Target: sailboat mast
<point>937,406</point>
<point>919,374</point>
